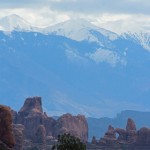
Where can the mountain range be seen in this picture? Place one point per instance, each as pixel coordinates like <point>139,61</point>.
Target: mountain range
<point>75,66</point>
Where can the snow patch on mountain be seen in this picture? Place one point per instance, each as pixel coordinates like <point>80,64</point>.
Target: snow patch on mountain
<point>107,56</point>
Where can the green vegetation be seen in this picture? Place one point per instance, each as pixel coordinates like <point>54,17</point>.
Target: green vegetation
<point>68,142</point>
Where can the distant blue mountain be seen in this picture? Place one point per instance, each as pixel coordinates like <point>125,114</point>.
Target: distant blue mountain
<point>100,74</point>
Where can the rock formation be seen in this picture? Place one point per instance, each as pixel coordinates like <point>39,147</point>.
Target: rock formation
<point>131,131</point>
<point>109,137</point>
<point>31,116</point>
<point>40,135</point>
<point>32,106</point>
<point>143,136</point>
<point>76,125</point>
<point>14,116</point>
<point>32,126</point>
<point>18,132</point>
<point>94,141</point>
<point>122,134</point>
<point>130,138</point>
<point>6,137</point>
<point>130,125</point>
<point>110,134</point>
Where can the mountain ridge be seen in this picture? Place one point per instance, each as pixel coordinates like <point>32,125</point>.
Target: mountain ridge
<point>75,29</point>
<point>74,76</point>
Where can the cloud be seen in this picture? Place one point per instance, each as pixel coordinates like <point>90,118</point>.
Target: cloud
<point>62,103</point>
<point>22,4</point>
<point>121,23</point>
<point>83,6</point>
<point>116,15</point>
<point>42,17</point>
<point>101,6</point>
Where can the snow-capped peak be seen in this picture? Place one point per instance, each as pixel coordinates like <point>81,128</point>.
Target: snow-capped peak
<point>75,29</point>
<point>79,30</point>
<point>14,22</point>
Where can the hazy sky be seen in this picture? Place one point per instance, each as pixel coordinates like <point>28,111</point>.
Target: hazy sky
<point>115,15</point>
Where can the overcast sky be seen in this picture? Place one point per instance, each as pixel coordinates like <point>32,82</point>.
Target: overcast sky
<point>115,15</point>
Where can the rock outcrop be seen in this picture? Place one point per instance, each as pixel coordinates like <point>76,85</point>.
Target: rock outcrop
<point>40,135</point>
<point>130,125</point>
<point>31,116</point>
<point>6,137</point>
<point>110,134</point>
<point>109,137</point>
<point>32,106</point>
<point>131,131</point>
<point>76,125</point>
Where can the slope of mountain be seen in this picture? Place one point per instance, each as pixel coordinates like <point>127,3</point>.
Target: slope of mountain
<point>142,38</point>
<point>93,77</point>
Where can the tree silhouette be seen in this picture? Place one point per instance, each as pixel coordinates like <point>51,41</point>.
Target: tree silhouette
<point>68,142</point>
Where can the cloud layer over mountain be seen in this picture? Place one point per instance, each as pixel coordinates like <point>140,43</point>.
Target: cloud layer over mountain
<point>115,15</point>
